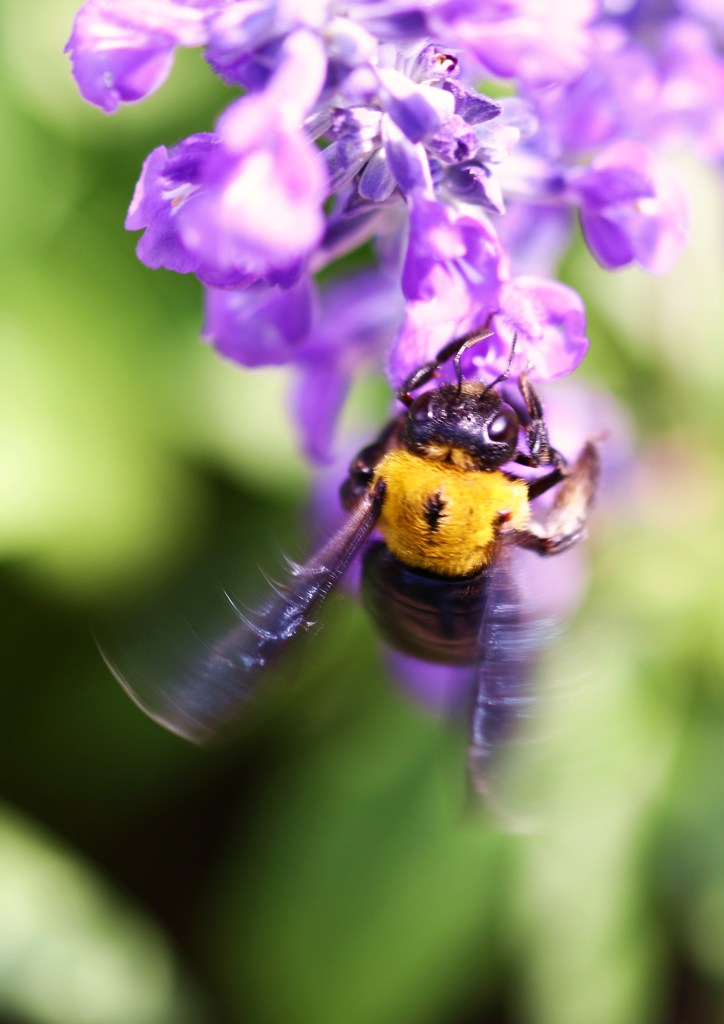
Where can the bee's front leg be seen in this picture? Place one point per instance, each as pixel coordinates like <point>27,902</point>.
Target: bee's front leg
<point>540,451</point>
<point>565,524</point>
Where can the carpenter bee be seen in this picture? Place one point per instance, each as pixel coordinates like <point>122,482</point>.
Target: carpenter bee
<point>434,515</point>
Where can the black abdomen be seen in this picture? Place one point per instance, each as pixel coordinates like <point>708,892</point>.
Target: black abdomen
<point>430,617</point>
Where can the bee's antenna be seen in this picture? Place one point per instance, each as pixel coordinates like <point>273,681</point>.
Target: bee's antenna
<point>506,372</point>
<point>468,342</point>
<point>453,350</point>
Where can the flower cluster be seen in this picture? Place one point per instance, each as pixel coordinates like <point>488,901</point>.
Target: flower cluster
<point>359,130</point>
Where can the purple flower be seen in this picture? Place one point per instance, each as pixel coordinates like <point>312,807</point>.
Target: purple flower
<point>691,70</point>
<point>244,204</point>
<point>169,180</point>
<point>123,50</point>
<point>451,280</point>
<point>456,273</point>
<point>652,75</point>
<point>535,41</point>
<point>360,136</point>
<point>420,102</point>
<point>632,208</point>
<point>259,326</point>
<point>550,321</point>
<point>258,212</point>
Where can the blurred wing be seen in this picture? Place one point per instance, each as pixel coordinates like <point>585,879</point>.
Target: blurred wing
<point>509,643</point>
<point>211,693</point>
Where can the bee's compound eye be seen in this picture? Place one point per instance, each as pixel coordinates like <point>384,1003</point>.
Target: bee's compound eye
<point>503,428</point>
<point>422,409</point>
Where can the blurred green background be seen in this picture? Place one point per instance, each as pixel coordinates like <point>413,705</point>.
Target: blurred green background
<point>325,869</point>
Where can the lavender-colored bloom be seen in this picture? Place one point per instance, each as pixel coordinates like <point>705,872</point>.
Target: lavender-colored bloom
<point>243,37</point>
<point>358,128</point>
<point>456,272</point>
<point>451,280</point>
<point>244,204</point>
<point>259,210</point>
<point>184,191</point>
<point>422,104</point>
<point>632,208</point>
<point>652,75</point>
<point>534,41</point>
<point>259,326</point>
<point>691,70</point>
<point>550,322</point>
<point>123,50</point>
<point>169,180</point>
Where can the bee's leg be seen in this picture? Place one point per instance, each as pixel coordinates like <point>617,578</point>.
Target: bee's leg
<point>544,483</point>
<point>540,451</point>
<point>362,467</point>
<point>565,524</point>
<point>453,350</point>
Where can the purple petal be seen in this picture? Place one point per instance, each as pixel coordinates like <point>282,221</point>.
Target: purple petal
<point>470,105</point>
<point>663,226</point>
<point>395,22</point>
<point>619,90</point>
<point>607,239</point>
<point>349,43</point>
<point>169,180</point>
<point>260,208</point>
<point>318,396</point>
<point>474,183</point>
<point>122,50</point>
<point>376,182</point>
<point>286,100</point>
<point>358,314</point>
<point>407,160</point>
<point>418,110</point>
<point>299,76</point>
<point>451,278</point>
<point>709,10</point>
<point>605,186</point>
<point>538,41</point>
<point>260,326</point>
<point>535,236</point>
<point>643,214</point>
<point>453,142</point>
<point>550,321</point>
<point>434,237</point>
<point>235,33</point>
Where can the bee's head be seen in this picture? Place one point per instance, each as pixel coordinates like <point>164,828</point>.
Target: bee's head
<point>466,423</point>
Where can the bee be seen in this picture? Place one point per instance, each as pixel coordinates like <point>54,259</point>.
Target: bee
<point>434,506</point>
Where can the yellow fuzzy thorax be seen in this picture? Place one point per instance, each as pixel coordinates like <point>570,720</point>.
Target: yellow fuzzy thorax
<point>443,518</point>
